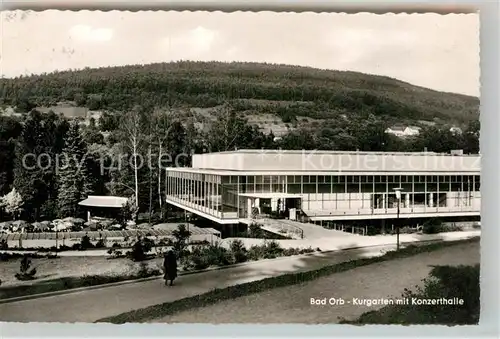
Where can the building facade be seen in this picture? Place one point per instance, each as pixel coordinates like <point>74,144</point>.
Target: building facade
<point>231,187</point>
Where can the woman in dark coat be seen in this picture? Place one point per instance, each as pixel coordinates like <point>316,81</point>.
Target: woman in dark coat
<point>170,266</point>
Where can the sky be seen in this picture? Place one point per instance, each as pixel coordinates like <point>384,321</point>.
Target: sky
<point>440,52</point>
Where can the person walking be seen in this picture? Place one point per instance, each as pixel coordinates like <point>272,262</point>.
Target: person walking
<point>170,267</point>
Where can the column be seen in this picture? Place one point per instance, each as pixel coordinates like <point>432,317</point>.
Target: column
<point>426,202</point>
<point>407,200</point>
<point>249,208</point>
<point>218,199</point>
<point>431,200</point>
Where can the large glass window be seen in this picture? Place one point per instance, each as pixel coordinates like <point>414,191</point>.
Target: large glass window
<point>477,183</point>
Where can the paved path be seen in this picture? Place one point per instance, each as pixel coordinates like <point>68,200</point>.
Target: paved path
<point>337,240</point>
<point>291,304</point>
<point>91,305</point>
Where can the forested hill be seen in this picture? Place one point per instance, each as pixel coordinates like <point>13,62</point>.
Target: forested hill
<point>287,91</point>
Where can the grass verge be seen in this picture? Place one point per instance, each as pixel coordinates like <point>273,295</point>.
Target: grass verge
<point>67,283</point>
<point>449,282</point>
<point>232,292</point>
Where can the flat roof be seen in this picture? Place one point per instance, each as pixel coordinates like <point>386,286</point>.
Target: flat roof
<point>259,151</point>
<point>103,201</point>
<point>335,161</point>
<point>332,172</point>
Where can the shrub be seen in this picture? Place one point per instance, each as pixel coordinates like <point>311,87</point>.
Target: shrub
<point>100,243</point>
<point>25,273</point>
<point>272,249</point>
<point>255,231</point>
<point>116,245</point>
<point>4,245</point>
<point>139,250</point>
<point>256,252</point>
<point>290,251</point>
<point>432,226</point>
<point>181,236</point>
<point>85,243</point>
<point>238,251</point>
<point>217,255</point>
<point>148,244</point>
<point>197,260</point>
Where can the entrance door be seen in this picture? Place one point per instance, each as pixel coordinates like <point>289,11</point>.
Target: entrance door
<point>265,206</point>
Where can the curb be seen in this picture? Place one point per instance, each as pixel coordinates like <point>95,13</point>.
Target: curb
<point>132,281</point>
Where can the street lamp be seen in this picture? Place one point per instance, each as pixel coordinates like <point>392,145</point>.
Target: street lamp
<point>398,196</point>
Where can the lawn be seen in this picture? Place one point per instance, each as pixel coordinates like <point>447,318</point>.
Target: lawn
<point>49,269</point>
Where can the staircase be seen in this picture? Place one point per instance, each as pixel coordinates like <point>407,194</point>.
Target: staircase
<point>282,227</point>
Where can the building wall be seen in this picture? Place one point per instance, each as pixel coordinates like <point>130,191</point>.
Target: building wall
<point>218,195</point>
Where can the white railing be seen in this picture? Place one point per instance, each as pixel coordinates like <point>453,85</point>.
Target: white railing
<point>391,211</point>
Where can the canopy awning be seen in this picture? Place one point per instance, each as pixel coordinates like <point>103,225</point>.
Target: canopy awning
<point>103,201</point>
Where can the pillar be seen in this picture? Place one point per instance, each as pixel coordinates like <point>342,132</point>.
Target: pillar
<point>407,200</point>
<point>431,201</point>
<point>249,206</point>
<point>274,203</point>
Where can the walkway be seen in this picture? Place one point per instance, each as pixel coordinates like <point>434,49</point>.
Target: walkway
<point>91,305</point>
<point>337,240</point>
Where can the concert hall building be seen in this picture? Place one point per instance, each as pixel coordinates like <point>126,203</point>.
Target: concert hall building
<point>231,187</point>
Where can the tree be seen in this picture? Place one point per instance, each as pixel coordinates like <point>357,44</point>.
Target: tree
<point>133,131</point>
<point>12,203</point>
<point>35,164</point>
<point>162,127</point>
<point>230,132</point>
<point>471,138</point>
<point>181,236</point>
<point>225,132</point>
<point>10,129</point>
<point>73,180</point>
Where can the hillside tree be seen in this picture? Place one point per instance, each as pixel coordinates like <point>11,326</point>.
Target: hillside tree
<point>73,179</point>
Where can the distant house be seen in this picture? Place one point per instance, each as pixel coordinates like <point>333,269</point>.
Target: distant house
<point>412,130</point>
<point>456,130</point>
<point>403,131</point>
